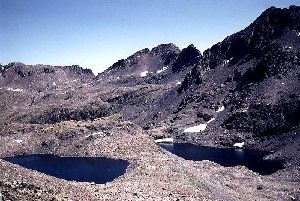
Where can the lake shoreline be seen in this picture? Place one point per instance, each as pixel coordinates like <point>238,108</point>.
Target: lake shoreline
<point>152,174</point>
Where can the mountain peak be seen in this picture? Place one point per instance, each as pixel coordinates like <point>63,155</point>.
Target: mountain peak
<point>140,53</point>
<point>275,20</point>
<point>273,24</point>
<point>191,46</point>
<point>189,56</point>
<point>164,48</point>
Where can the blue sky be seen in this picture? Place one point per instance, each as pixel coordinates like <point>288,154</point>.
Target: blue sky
<point>96,33</point>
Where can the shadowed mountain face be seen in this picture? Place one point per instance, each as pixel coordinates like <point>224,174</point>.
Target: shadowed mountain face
<point>254,73</point>
<point>249,83</point>
<point>189,56</point>
<point>271,40</point>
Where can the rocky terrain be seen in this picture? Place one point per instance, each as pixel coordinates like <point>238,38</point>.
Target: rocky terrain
<point>243,89</point>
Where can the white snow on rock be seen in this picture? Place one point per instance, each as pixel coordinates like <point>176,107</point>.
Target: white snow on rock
<point>54,84</point>
<point>220,109</point>
<point>245,110</point>
<point>18,141</point>
<point>299,34</point>
<point>94,134</point>
<point>162,70</point>
<point>239,144</point>
<point>164,140</point>
<point>198,128</point>
<point>195,129</point>
<point>226,61</point>
<point>178,83</point>
<point>144,73</point>
<point>12,89</point>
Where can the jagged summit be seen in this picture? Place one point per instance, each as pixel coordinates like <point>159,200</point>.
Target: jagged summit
<point>189,56</point>
<point>270,45</point>
<point>140,53</point>
<point>162,64</point>
<point>271,25</point>
<point>143,64</point>
<point>165,48</point>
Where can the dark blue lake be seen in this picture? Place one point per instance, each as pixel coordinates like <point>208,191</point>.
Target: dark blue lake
<point>82,169</point>
<point>252,159</point>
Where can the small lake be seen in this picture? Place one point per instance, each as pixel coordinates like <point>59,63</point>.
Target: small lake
<point>82,169</point>
<point>252,159</point>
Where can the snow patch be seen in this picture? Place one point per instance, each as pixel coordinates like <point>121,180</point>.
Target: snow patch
<point>144,73</point>
<point>245,110</point>
<point>12,89</point>
<point>210,120</point>
<point>198,128</point>
<point>164,140</point>
<point>178,83</point>
<point>18,141</point>
<point>299,34</point>
<point>282,83</point>
<point>162,70</point>
<point>220,109</point>
<point>195,129</point>
<point>94,134</point>
<point>239,144</point>
<point>54,84</point>
<point>226,61</point>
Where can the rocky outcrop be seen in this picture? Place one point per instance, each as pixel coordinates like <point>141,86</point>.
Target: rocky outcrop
<point>189,56</point>
<point>273,24</point>
<point>59,114</point>
<point>264,120</point>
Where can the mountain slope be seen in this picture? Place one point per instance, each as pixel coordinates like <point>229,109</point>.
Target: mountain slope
<point>248,84</point>
<point>259,65</point>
